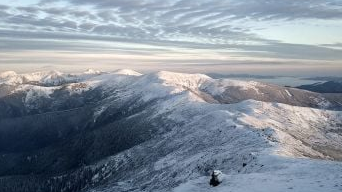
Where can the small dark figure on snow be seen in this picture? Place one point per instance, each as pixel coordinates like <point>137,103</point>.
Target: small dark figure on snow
<point>216,178</point>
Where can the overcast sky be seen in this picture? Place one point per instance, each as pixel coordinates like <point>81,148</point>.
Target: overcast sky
<point>300,37</point>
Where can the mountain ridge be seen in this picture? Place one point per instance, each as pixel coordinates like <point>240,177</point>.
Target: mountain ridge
<point>157,132</point>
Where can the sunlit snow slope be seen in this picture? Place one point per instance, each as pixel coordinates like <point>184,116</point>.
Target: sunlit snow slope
<point>263,137</point>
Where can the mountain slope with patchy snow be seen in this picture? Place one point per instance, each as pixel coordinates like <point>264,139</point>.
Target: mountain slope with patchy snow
<point>167,131</point>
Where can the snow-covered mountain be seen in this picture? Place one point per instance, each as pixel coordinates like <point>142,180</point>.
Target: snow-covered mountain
<point>164,131</point>
<point>324,87</point>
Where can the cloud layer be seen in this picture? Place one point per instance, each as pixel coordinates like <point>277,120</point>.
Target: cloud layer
<point>228,29</point>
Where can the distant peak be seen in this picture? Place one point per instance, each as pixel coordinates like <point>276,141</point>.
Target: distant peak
<point>44,73</point>
<point>7,74</point>
<point>127,72</point>
<point>178,75</point>
<point>55,72</point>
<point>180,78</point>
<point>92,71</point>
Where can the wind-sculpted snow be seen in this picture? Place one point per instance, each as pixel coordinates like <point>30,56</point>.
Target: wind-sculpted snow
<point>167,131</point>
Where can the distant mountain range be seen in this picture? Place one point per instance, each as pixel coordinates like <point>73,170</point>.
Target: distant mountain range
<point>324,78</point>
<point>223,76</point>
<point>164,131</point>
<point>324,87</point>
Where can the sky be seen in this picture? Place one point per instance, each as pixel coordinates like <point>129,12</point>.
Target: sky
<point>278,37</point>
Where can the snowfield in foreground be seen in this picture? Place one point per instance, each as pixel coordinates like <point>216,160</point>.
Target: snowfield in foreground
<point>282,174</point>
<point>262,137</point>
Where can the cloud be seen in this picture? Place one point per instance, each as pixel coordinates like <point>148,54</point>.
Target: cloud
<point>258,9</point>
<point>45,22</point>
<point>335,45</point>
<point>14,41</point>
<point>2,7</point>
<point>225,28</point>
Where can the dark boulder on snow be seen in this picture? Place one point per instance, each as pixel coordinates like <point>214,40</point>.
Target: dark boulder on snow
<point>216,178</point>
